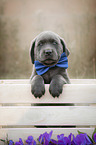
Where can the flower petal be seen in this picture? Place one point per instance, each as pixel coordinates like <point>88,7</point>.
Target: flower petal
<point>11,142</point>
<point>94,137</point>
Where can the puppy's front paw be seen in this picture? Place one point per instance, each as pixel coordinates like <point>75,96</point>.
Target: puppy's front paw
<point>55,89</point>
<point>38,90</point>
<point>37,87</point>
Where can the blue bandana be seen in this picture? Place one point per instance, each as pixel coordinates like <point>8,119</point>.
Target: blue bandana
<point>41,69</point>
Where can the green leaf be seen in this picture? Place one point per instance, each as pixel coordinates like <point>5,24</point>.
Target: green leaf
<point>90,138</point>
<point>2,140</point>
<point>79,132</point>
<point>93,133</point>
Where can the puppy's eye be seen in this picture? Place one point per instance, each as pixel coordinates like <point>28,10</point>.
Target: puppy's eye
<point>54,42</point>
<point>40,44</point>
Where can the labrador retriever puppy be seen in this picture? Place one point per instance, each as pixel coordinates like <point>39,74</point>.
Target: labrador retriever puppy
<point>49,55</point>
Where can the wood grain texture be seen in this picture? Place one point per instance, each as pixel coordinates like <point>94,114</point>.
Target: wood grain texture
<point>48,115</point>
<point>72,93</point>
<point>27,81</point>
<point>13,92</point>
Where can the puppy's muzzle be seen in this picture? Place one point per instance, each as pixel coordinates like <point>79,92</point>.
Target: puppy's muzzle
<point>48,52</point>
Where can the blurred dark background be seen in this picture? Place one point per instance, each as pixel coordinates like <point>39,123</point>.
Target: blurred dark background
<point>22,20</point>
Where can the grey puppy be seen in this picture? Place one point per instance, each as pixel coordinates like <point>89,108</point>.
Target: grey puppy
<point>46,50</point>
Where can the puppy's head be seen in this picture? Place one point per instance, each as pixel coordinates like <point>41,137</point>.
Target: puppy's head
<point>47,48</point>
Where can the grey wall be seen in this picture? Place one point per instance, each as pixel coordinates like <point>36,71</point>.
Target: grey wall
<point>22,20</point>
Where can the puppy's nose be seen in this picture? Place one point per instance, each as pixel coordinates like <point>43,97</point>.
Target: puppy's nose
<point>48,52</point>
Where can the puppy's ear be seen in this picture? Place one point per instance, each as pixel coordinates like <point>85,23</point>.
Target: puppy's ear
<point>65,49</point>
<point>32,50</point>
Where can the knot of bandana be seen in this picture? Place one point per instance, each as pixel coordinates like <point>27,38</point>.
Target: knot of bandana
<point>41,69</point>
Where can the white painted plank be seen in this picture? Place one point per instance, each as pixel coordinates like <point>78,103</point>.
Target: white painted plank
<point>72,93</point>
<point>27,81</point>
<point>15,81</point>
<point>83,81</point>
<point>16,133</point>
<point>48,115</point>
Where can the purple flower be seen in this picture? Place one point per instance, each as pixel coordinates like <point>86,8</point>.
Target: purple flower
<point>30,141</point>
<point>20,142</point>
<point>81,139</point>
<point>64,140</point>
<point>45,138</point>
<point>11,142</point>
<point>53,142</point>
<point>94,137</point>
